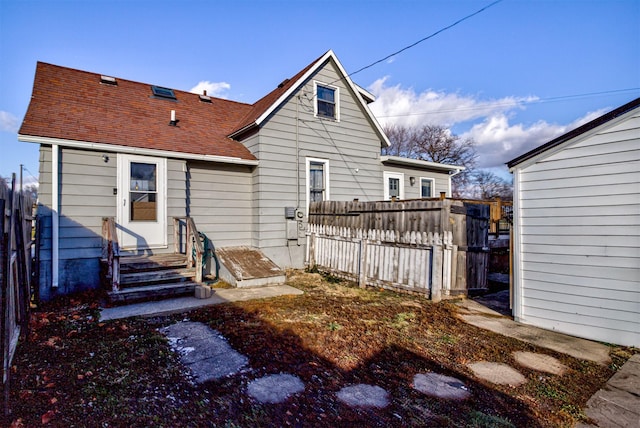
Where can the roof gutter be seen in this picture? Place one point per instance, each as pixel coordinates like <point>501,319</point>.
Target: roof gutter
<point>136,150</point>
<point>452,169</point>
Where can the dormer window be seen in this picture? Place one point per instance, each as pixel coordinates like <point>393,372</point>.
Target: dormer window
<point>160,92</point>
<point>327,101</point>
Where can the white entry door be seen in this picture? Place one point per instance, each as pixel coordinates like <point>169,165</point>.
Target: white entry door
<point>142,212</point>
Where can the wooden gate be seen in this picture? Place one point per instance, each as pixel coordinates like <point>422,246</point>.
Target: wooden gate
<point>15,273</point>
<point>477,245</point>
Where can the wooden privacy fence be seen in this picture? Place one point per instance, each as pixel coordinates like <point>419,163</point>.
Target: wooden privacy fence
<point>15,273</point>
<point>419,262</point>
<point>456,229</point>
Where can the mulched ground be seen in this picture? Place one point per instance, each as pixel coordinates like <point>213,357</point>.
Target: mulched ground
<point>77,371</point>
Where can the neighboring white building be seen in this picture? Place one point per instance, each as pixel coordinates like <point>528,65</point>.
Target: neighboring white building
<point>577,231</point>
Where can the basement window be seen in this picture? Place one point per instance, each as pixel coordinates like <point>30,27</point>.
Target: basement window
<point>161,92</point>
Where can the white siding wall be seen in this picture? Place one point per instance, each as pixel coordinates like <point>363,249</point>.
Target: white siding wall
<point>413,192</point>
<point>350,144</point>
<point>578,268</point>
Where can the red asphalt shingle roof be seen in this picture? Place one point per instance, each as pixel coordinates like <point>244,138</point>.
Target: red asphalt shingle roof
<point>73,105</point>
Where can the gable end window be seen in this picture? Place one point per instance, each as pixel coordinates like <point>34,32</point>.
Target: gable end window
<point>327,101</point>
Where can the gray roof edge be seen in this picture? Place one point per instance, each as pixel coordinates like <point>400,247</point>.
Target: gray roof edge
<point>576,132</point>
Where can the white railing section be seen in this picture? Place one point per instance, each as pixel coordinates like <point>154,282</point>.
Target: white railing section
<point>419,262</point>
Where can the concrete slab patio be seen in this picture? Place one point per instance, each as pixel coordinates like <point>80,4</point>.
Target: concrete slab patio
<point>182,304</point>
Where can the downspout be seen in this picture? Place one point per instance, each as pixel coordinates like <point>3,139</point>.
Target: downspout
<point>55,205</point>
<point>297,153</point>
<point>450,177</point>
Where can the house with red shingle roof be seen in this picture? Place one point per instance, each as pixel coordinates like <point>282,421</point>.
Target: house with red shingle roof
<point>148,157</point>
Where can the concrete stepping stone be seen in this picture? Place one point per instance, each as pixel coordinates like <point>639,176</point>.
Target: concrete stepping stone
<point>362,395</point>
<point>498,373</point>
<point>275,388</point>
<point>440,386</point>
<point>204,351</point>
<point>540,362</point>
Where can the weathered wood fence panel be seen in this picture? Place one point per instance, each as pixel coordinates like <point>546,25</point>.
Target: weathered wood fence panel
<point>410,261</point>
<point>15,273</point>
<point>467,222</point>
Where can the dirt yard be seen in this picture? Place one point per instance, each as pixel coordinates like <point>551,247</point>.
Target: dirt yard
<point>77,371</point>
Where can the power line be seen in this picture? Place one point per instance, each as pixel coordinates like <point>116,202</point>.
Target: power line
<point>425,38</point>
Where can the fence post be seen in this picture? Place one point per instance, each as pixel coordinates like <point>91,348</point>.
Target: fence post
<point>364,267</point>
<point>436,273</point>
<point>312,250</point>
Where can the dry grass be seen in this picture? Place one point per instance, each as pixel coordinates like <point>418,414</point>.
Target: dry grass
<point>77,371</point>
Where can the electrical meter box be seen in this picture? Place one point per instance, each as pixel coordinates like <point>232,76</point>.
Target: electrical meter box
<point>290,213</point>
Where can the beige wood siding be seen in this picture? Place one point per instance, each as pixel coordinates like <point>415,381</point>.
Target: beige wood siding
<point>578,223</point>
<point>350,144</point>
<point>220,202</point>
<point>86,195</point>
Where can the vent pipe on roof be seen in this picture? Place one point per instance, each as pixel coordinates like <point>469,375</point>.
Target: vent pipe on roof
<point>173,121</point>
<point>204,97</point>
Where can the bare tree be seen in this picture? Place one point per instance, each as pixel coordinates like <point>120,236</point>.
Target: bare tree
<point>487,185</point>
<point>31,189</point>
<point>434,143</point>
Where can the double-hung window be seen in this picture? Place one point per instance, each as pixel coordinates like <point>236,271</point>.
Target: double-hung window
<point>327,101</point>
<point>426,187</point>
<point>317,180</point>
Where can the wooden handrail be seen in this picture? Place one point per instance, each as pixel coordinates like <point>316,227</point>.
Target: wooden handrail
<point>194,245</point>
<point>111,250</point>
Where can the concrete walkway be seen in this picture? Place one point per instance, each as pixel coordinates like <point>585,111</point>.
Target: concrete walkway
<point>616,405</point>
<point>479,315</point>
<point>181,304</point>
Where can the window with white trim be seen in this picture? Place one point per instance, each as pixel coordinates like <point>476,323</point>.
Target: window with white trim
<point>393,185</point>
<point>317,180</point>
<point>427,187</point>
<point>327,101</point>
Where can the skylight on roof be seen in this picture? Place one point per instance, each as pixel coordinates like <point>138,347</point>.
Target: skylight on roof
<point>161,92</point>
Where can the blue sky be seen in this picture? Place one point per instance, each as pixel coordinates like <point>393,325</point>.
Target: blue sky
<point>512,77</point>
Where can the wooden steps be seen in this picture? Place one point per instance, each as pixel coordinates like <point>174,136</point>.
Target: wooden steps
<point>151,278</point>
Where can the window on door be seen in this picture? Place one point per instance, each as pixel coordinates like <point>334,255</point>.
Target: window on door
<point>143,192</point>
<point>317,180</point>
<point>427,186</point>
<point>393,185</point>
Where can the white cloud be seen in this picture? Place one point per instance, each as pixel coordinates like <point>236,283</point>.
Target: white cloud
<point>498,140</point>
<point>8,122</point>
<point>397,105</point>
<point>214,89</point>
